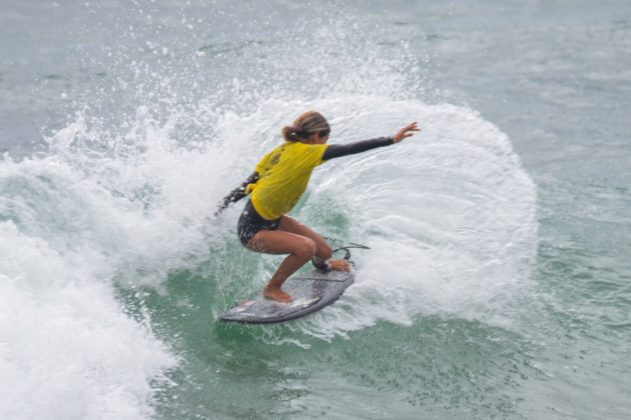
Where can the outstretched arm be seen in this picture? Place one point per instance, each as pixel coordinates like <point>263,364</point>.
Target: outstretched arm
<point>339,150</point>
<point>238,193</point>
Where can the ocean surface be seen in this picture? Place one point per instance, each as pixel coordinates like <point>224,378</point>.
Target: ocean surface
<point>498,283</point>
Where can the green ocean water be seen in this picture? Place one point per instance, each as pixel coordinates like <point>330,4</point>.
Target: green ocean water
<point>562,356</point>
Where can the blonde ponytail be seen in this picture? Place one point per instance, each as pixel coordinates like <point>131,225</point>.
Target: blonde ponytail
<point>306,125</point>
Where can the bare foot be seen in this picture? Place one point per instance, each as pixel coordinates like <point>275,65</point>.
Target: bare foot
<point>340,265</point>
<point>277,294</point>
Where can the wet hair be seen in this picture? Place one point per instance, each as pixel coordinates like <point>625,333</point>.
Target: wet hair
<point>305,126</point>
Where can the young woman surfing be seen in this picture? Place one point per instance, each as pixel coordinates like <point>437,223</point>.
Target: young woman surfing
<point>275,187</point>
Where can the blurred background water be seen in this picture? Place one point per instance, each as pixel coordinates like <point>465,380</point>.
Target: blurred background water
<point>497,285</point>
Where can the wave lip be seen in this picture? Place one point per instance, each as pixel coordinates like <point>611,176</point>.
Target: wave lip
<point>450,215</point>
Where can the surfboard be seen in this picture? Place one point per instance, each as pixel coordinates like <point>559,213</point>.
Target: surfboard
<point>312,291</point>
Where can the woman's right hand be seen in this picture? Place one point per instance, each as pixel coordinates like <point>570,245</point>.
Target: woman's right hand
<point>405,132</point>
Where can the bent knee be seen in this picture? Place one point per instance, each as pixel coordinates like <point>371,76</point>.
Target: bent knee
<point>324,251</point>
<point>306,249</point>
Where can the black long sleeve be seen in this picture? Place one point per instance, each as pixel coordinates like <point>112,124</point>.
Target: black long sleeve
<point>339,150</point>
<point>238,193</point>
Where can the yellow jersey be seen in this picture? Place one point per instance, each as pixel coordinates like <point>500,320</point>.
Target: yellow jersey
<point>284,174</point>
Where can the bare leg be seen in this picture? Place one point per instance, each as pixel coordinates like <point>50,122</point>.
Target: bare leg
<point>301,243</point>
<point>323,250</point>
<point>300,249</point>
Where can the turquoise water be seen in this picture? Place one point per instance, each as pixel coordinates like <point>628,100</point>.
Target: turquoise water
<point>497,283</point>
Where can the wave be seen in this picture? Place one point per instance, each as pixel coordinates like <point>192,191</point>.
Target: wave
<point>123,197</point>
<point>68,347</point>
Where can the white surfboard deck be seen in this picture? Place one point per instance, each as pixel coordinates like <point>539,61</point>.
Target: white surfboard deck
<point>311,291</point>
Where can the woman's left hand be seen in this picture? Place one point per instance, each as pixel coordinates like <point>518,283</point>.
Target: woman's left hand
<point>405,132</point>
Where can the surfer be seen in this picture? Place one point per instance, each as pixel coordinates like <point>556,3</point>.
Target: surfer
<point>275,187</point>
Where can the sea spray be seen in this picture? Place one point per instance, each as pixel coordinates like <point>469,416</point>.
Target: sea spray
<point>121,203</point>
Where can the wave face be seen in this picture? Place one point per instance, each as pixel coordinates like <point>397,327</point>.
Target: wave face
<point>102,223</point>
<point>69,350</point>
<point>449,215</point>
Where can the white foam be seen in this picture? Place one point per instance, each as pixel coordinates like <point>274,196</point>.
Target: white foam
<point>449,215</point>
<point>101,209</point>
<point>67,350</point>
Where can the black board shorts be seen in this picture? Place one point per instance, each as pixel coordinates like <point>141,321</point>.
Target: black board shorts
<point>250,223</point>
